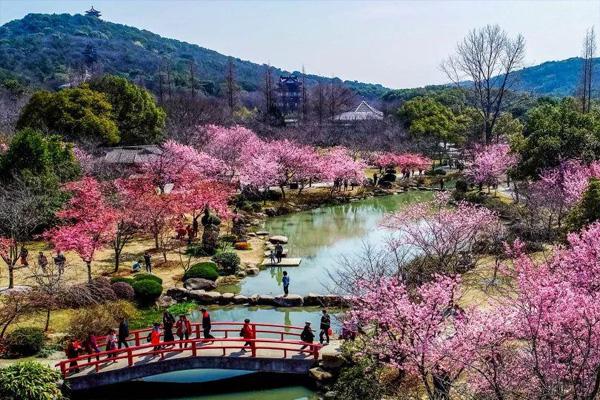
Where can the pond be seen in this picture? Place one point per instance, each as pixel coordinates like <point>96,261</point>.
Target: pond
<point>321,237</point>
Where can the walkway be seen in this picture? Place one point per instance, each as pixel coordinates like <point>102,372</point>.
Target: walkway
<point>277,348</point>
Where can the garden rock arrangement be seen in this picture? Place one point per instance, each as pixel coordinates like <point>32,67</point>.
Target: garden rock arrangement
<point>292,300</point>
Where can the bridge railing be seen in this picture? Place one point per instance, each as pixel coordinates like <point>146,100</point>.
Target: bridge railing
<point>195,346</point>
<point>138,336</point>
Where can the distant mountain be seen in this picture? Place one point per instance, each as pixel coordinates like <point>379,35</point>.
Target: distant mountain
<point>555,78</point>
<point>42,50</point>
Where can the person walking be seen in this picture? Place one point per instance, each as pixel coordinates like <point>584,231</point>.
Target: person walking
<point>72,351</point>
<point>325,326</point>
<point>148,262</point>
<point>154,336</point>
<point>168,322</point>
<point>123,332</point>
<point>286,283</point>
<point>184,327</point>
<point>91,346</point>
<point>111,343</point>
<point>60,260</point>
<point>206,325</point>
<point>307,336</point>
<point>23,256</point>
<point>278,252</point>
<point>247,333</point>
<point>42,261</point>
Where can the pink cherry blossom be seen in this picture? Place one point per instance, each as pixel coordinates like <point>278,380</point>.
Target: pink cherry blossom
<point>489,164</point>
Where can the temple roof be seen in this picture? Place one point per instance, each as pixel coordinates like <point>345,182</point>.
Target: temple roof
<point>363,112</point>
<point>132,154</point>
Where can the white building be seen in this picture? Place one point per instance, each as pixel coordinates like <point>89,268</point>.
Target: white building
<point>364,112</point>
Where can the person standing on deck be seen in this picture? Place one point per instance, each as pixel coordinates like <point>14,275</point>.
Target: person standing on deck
<point>325,326</point>
<point>278,252</point>
<point>286,283</point>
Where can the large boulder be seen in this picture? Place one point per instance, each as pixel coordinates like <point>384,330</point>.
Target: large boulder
<point>320,374</point>
<point>278,239</point>
<point>227,298</point>
<point>199,284</point>
<point>165,301</point>
<point>253,271</point>
<point>178,294</point>
<point>291,300</point>
<point>331,355</point>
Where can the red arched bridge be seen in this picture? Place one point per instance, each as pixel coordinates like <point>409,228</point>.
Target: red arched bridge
<point>276,348</point>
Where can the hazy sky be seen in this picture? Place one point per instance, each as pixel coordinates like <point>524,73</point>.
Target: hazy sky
<point>395,43</point>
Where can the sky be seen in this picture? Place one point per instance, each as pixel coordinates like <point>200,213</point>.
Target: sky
<point>399,44</point>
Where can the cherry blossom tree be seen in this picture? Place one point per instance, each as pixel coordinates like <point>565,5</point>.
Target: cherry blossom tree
<point>338,164</point>
<point>89,222</point>
<point>440,235</point>
<point>295,162</point>
<point>199,196</point>
<point>489,164</point>
<point>415,332</point>
<point>260,171</point>
<point>86,160</point>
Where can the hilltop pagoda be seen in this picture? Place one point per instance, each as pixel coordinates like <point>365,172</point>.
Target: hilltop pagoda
<point>93,13</point>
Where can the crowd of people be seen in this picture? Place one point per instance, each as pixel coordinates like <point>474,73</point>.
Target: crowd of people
<point>161,337</point>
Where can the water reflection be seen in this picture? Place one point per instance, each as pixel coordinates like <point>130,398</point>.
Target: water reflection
<point>321,237</point>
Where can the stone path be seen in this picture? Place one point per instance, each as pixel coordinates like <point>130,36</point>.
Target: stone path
<point>285,262</point>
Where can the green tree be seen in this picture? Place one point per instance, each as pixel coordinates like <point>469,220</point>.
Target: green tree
<point>76,114</point>
<point>556,131</point>
<point>588,209</point>
<point>426,117</point>
<point>139,119</point>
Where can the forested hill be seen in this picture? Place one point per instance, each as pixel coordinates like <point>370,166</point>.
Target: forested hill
<point>555,78</point>
<point>43,50</point>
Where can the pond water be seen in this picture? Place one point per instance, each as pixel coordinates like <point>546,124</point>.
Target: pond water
<point>321,237</point>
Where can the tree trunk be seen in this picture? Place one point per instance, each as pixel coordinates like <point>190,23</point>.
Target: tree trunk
<point>88,264</point>
<point>11,276</point>
<point>117,259</point>
<point>156,246</point>
<point>47,319</point>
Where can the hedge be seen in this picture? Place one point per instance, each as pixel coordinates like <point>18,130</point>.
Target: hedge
<point>143,277</point>
<point>122,279</point>
<point>23,342</point>
<point>147,291</point>
<point>206,270</point>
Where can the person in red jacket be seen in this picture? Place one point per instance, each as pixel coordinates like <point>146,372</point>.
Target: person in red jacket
<point>248,333</point>
<point>184,329</point>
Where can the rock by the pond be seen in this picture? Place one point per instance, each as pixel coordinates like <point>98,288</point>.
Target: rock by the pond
<point>227,280</point>
<point>252,271</point>
<point>265,300</point>
<point>327,300</point>
<point>177,294</point>
<point>210,297</point>
<point>262,233</point>
<point>251,234</point>
<point>278,239</point>
<point>253,300</point>
<point>330,394</point>
<point>291,300</point>
<point>166,301</point>
<point>241,274</point>
<point>240,299</point>
<point>331,355</point>
<point>227,298</point>
<point>199,284</point>
<point>320,374</point>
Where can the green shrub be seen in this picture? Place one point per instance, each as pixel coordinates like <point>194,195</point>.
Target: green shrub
<point>122,279</point>
<point>228,238</point>
<point>30,380</point>
<point>147,277</point>
<point>388,177</point>
<point>461,186</point>
<point>228,261</point>
<point>23,342</point>
<point>147,291</point>
<point>357,382</point>
<point>206,270</point>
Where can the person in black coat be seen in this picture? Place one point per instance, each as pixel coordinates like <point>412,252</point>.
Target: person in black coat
<point>307,336</point>
<point>123,333</point>
<point>168,322</point>
<point>325,325</point>
<point>206,325</point>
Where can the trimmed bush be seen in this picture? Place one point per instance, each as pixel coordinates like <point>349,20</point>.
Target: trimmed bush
<point>461,186</point>
<point>23,342</point>
<point>123,290</point>
<point>101,290</point>
<point>388,177</point>
<point>147,291</point>
<point>30,380</point>
<point>206,270</point>
<point>198,251</point>
<point>116,279</point>
<point>241,246</point>
<point>228,261</point>
<point>228,238</point>
<point>144,277</point>
<point>77,296</point>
